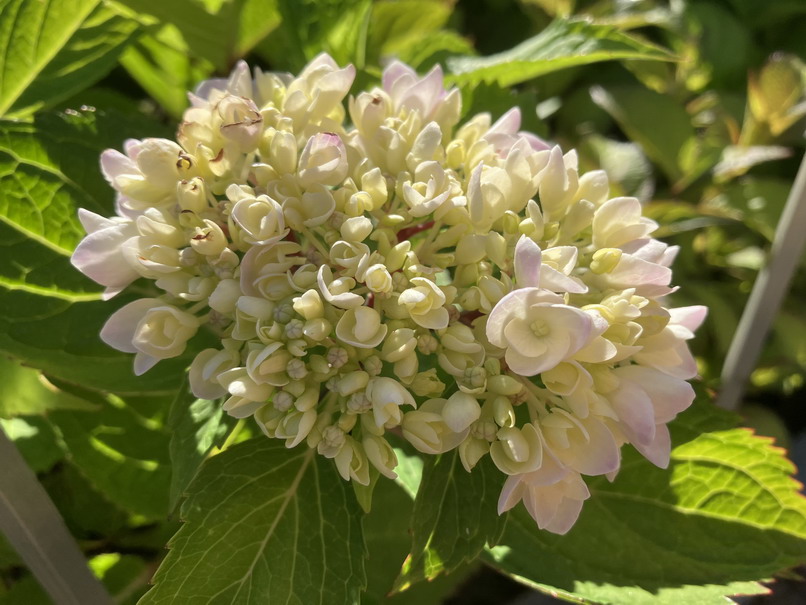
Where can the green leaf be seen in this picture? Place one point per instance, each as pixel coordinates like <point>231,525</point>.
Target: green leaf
<point>454,517</point>
<point>662,127</point>
<point>628,169</point>
<point>125,576</point>
<point>25,590</point>
<point>724,515</point>
<point>35,441</point>
<point>412,31</point>
<point>310,27</point>
<point>561,45</point>
<point>87,512</point>
<point>53,48</point>
<point>26,393</point>
<point>265,525</point>
<point>123,455</point>
<point>164,66</point>
<point>196,425</point>
<point>218,31</point>
<point>386,531</point>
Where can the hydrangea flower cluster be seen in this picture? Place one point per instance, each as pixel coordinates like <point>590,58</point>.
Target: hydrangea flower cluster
<point>464,287</point>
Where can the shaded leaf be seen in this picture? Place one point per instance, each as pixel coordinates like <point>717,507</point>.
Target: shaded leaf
<point>35,441</point>
<point>265,524</point>
<point>455,515</point>
<point>561,45</point>
<point>196,425</point>
<point>26,392</point>
<point>123,455</point>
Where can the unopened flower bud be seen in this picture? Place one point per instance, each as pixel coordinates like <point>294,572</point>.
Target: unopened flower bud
<point>352,382</point>
<point>504,384</point>
<point>283,401</point>
<point>381,455</point>
<point>192,195</point>
<point>605,260</point>
<point>323,161</point>
<point>503,412</point>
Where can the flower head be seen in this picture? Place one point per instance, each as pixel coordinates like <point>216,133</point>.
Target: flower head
<point>463,285</point>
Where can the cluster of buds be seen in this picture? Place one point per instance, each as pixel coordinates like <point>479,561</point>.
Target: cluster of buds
<point>459,286</point>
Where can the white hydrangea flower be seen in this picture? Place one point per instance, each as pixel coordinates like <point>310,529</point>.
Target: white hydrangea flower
<point>462,285</point>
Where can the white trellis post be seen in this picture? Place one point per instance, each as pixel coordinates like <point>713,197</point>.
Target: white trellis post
<point>767,295</point>
<point>37,532</point>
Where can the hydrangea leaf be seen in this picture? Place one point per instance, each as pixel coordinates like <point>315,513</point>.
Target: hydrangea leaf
<point>196,425</point>
<point>162,64</point>
<point>216,31</point>
<point>454,517</point>
<point>264,524</point>
<point>725,515</point>
<point>561,45</point>
<point>663,128</point>
<point>26,393</point>
<point>36,442</point>
<point>50,314</point>
<point>54,48</point>
<point>386,531</point>
<point>309,27</point>
<point>413,32</point>
<point>123,455</point>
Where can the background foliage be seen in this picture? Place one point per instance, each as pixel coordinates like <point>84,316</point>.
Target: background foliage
<point>697,108</point>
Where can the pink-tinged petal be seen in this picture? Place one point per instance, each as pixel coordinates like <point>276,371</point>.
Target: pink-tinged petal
<point>131,148</point>
<point>553,280</point>
<point>110,292</point>
<point>566,516</point>
<point>511,494</point>
<point>574,324</point>
<point>93,222</point>
<point>426,93</point>
<point>98,256</point>
<point>635,411</point>
<point>143,363</point>
<point>648,249</point>
<point>527,263</point>
<point>669,395</point>
<point>114,164</point>
<point>658,451</point>
<point>689,317</point>
<point>475,198</point>
<point>534,141</point>
<point>393,72</point>
<point>632,271</point>
<point>118,331</point>
<point>550,472</point>
<point>599,456</point>
<point>240,80</point>
<point>669,255</point>
<point>511,305</point>
<point>507,123</point>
